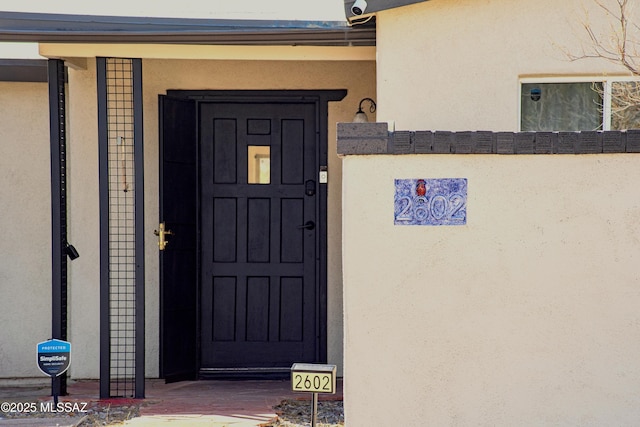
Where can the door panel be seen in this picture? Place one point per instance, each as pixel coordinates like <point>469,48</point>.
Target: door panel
<point>178,270</point>
<point>259,303</point>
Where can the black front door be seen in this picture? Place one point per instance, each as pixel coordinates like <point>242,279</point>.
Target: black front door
<point>259,235</point>
<point>243,278</point>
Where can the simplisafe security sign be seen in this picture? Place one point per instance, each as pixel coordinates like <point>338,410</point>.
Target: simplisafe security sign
<point>54,357</point>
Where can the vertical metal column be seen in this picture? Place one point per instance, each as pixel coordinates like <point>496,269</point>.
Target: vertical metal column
<point>121,227</point>
<point>57,136</point>
<point>138,156</point>
<point>103,167</point>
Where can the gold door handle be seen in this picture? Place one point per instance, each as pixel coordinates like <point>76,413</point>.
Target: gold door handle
<point>162,233</point>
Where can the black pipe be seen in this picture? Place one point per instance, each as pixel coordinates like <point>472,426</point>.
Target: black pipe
<point>57,137</point>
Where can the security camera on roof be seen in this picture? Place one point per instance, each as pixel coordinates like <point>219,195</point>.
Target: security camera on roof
<point>359,7</point>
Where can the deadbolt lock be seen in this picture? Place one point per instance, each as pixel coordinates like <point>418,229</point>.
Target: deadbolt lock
<point>161,232</point>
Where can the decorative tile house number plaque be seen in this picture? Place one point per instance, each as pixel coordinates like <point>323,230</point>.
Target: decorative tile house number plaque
<point>430,201</point>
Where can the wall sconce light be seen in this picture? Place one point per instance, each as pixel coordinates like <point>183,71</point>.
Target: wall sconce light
<point>361,116</point>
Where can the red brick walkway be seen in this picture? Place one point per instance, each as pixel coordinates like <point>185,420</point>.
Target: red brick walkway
<point>241,403</point>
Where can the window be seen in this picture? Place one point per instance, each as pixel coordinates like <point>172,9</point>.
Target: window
<point>625,105</point>
<point>259,164</point>
<point>580,105</point>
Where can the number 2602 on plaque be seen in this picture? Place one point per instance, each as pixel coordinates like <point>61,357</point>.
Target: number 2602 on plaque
<point>313,378</point>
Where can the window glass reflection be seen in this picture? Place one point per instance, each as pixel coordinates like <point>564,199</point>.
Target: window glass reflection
<point>259,164</point>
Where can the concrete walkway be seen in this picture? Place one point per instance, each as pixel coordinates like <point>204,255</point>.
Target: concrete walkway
<point>188,403</point>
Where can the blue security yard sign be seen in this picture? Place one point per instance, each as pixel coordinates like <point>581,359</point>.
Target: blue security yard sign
<point>54,357</point>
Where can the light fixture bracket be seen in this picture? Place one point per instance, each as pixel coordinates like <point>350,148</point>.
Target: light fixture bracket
<point>372,108</point>
<point>361,116</point>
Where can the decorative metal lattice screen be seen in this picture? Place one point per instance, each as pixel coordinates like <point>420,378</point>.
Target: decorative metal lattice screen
<point>122,260</point>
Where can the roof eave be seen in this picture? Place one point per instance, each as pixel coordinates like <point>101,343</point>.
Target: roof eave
<point>52,28</point>
<point>374,6</point>
<point>23,70</point>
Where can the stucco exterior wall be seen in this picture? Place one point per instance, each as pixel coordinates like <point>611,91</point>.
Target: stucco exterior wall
<point>83,222</point>
<point>25,211</point>
<point>527,315</point>
<point>456,65</point>
<point>158,76</point>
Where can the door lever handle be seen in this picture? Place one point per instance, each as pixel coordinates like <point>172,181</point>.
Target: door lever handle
<point>309,225</point>
<point>162,233</point>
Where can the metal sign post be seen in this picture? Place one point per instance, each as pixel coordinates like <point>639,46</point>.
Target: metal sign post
<point>53,360</point>
<point>313,378</point>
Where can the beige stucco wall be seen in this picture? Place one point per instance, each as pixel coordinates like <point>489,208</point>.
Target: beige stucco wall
<point>25,212</point>
<point>456,64</point>
<point>158,76</point>
<point>83,221</point>
<point>527,315</point>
